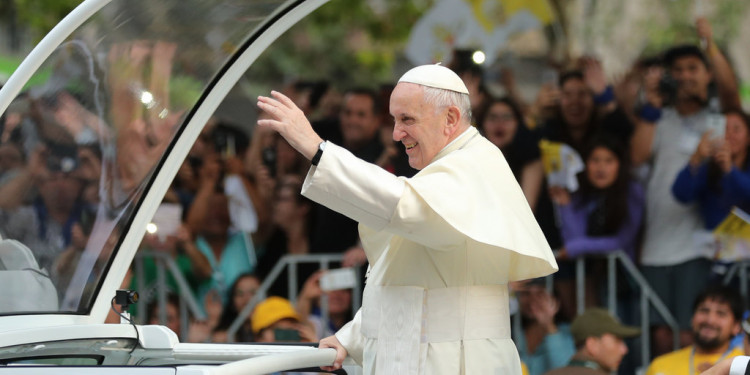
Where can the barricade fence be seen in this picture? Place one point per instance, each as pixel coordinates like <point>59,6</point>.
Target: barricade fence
<point>159,290</point>
<point>189,306</point>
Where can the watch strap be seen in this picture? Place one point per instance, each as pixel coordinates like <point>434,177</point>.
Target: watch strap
<point>316,158</point>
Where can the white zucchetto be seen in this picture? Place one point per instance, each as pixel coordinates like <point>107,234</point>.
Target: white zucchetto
<point>436,76</point>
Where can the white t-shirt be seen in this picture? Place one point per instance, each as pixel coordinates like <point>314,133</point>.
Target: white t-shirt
<point>674,231</point>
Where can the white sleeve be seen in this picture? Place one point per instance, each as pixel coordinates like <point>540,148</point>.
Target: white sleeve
<point>353,187</point>
<point>376,198</point>
<point>739,365</point>
<point>351,338</point>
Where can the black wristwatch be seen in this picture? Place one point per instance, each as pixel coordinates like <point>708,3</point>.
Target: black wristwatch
<point>316,159</point>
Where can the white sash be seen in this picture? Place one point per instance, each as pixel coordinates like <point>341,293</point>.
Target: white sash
<point>401,318</point>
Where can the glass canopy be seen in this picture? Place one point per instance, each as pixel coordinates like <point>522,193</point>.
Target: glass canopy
<point>106,108</point>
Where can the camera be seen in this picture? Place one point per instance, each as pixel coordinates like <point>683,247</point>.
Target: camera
<point>668,88</point>
<point>268,156</point>
<point>126,298</point>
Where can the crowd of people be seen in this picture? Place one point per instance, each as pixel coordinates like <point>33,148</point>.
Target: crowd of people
<point>665,160</point>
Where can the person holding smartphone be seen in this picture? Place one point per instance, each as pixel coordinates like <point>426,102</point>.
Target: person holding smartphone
<point>665,137</point>
<point>718,173</point>
<point>276,320</point>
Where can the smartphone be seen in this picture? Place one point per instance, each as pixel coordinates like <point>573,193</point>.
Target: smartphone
<point>717,124</point>
<point>550,77</point>
<point>269,160</point>
<point>284,334</point>
<point>337,279</point>
<point>167,219</point>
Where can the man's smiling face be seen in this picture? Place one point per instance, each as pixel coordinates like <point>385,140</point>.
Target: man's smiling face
<point>418,125</point>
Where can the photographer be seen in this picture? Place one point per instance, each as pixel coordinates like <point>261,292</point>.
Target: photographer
<point>46,224</point>
<point>219,146</point>
<point>667,136</point>
<point>230,254</point>
<point>339,305</point>
<point>267,159</point>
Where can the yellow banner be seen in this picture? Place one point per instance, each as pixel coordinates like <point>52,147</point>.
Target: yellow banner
<point>732,236</point>
<point>551,156</point>
<point>735,225</point>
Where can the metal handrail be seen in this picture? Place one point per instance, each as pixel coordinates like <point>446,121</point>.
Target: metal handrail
<point>292,261</point>
<point>188,303</point>
<point>648,298</point>
<point>740,267</point>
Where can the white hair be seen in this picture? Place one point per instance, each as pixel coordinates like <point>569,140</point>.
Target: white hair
<point>441,98</point>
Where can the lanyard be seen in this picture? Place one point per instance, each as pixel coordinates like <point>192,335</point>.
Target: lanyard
<point>692,358</point>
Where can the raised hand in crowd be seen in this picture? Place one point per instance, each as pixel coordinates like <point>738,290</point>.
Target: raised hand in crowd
<point>723,157</point>
<point>210,171</point>
<point>596,81</point>
<point>547,100</point>
<point>593,75</point>
<point>13,193</point>
<point>704,150</point>
<point>543,308</point>
<point>651,80</point>
<point>202,330</point>
<point>200,265</point>
<point>310,294</point>
<point>354,257</point>
<point>208,177</point>
<point>559,195</point>
<point>199,331</point>
<point>726,81</point>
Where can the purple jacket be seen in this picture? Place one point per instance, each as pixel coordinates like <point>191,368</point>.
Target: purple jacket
<point>574,221</point>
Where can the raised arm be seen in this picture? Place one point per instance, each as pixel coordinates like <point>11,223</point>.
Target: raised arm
<point>645,127</point>
<point>726,82</point>
<point>12,194</point>
<point>359,190</point>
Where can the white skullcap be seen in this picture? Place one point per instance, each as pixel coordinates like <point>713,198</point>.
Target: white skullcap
<point>436,76</point>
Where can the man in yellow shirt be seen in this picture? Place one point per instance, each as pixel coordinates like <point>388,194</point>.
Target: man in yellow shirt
<point>717,314</point>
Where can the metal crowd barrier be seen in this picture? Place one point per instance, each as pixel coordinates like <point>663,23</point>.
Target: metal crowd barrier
<point>738,269</point>
<point>188,303</point>
<point>648,298</point>
<point>164,264</point>
<point>291,261</point>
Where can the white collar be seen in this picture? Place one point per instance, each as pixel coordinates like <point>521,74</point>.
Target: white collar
<point>464,134</point>
<point>454,144</point>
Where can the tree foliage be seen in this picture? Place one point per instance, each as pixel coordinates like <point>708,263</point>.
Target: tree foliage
<point>40,16</point>
<point>351,40</point>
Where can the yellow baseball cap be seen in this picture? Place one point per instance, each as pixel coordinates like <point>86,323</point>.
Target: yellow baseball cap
<point>270,311</point>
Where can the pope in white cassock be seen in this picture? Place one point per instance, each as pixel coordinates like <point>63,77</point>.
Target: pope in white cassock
<point>442,245</point>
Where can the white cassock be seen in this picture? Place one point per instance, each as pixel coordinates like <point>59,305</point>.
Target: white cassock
<point>442,247</point>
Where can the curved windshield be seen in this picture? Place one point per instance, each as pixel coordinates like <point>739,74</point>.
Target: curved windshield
<point>79,145</point>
